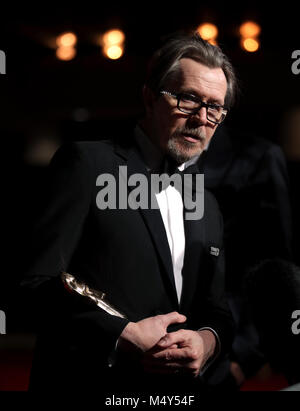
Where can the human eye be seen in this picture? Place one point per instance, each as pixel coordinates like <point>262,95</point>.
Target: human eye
<point>189,97</point>
<point>187,103</point>
<point>216,108</point>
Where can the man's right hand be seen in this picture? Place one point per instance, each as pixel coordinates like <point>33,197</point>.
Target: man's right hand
<point>145,334</point>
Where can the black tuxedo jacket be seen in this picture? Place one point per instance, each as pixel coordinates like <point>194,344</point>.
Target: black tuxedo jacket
<point>123,253</point>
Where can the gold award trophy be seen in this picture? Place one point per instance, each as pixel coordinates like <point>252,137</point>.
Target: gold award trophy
<point>98,297</point>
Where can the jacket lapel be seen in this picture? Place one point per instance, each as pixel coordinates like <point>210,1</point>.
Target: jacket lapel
<point>194,250</point>
<point>151,217</point>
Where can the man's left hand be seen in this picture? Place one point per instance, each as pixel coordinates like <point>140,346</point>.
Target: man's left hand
<point>183,352</point>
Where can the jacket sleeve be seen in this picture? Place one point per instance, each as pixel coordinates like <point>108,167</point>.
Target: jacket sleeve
<point>54,241</point>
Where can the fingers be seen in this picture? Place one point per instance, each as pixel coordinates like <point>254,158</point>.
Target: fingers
<point>156,349</point>
<point>175,354</point>
<point>161,366</point>
<point>173,346</point>
<point>167,363</point>
<point>177,337</point>
<point>172,318</point>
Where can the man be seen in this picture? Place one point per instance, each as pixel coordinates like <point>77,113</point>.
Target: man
<point>151,263</point>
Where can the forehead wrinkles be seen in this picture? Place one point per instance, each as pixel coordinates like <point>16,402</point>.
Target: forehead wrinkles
<point>194,75</point>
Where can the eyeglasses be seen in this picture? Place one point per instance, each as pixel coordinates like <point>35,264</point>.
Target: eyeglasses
<point>189,104</point>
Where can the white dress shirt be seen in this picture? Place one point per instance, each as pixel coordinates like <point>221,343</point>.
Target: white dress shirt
<point>170,204</point>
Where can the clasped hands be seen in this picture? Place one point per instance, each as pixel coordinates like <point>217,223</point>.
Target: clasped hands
<point>182,351</point>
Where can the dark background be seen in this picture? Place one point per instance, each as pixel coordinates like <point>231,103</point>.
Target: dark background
<point>45,102</point>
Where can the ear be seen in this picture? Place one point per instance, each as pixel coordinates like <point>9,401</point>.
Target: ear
<point>148,97</point>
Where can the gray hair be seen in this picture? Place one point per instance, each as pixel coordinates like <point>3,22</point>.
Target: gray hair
<point>165,62</point>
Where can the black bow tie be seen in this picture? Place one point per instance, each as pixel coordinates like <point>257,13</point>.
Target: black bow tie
<point>170,168</point>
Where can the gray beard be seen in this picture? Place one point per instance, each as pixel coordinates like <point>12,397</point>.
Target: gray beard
<point>181,153</point>
<point>176,153</point>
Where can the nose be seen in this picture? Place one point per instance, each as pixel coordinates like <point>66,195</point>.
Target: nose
<point>201,116</point>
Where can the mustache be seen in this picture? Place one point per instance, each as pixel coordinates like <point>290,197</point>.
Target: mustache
<point>192,132</point>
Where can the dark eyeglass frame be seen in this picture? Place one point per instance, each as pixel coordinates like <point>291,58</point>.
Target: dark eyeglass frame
<point>179,96</point>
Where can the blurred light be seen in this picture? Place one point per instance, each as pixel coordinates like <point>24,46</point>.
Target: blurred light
<point>213,42</point>
<point>66,40</point>
<point>65,53</point>
<point>250,29</point>
<point>113,52</point>
<point>40,151</point>
<point>112,43</point>
<point>250,45</point>
<point>113,38</point>
<point>208,32</point>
